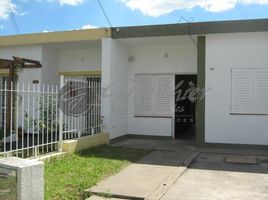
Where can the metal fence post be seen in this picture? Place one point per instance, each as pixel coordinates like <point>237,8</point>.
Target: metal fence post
<point>60,117</point>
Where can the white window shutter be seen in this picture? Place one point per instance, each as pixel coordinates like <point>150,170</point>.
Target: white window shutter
<point>164,95</point>
<point>261,91</point>
<point>144,89</point>
<point>242,91</point>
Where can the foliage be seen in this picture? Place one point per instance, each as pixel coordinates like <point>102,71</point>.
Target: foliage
<point>47,121</point>
<point>68,177</point>
<point>17,69</point>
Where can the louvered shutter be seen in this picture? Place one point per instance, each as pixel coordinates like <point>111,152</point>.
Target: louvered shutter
<point>242,91</point>
<point>261,91</point>
<point>164,95</point>
<point>144,89</point>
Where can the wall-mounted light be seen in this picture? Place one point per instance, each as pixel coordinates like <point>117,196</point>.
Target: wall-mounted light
<point>131,59</point>
<point>166,55</point>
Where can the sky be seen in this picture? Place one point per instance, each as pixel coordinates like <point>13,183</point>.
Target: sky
<point>31,16</point>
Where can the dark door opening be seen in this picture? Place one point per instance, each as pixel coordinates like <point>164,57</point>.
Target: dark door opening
<point>185,104</point>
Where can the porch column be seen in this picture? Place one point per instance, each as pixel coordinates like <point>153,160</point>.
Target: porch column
<point>201,79</point>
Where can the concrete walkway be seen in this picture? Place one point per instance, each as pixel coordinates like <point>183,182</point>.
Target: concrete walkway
<point>141,179</point>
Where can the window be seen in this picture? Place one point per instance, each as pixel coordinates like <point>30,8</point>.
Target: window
<point>154,95</point>
<point>249,91</point>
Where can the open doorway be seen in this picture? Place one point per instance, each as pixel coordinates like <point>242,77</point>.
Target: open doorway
<point>185,107</point>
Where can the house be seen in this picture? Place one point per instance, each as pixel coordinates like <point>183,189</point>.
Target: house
<point>148,72</point>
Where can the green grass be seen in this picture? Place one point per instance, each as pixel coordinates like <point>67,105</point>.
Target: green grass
<point>68,177</point>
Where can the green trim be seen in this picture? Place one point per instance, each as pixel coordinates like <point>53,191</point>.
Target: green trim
<point>201,78</point>
<point>201,28</point>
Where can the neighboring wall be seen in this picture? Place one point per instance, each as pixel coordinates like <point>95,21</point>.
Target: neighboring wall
<point>33,52</point>
<point>48,57</point>
<point>224,52</point>
<point>80,59</point>
<point>50,63</point>
<point>26,76</point>
<point>181,59</point>
<point>115,87</point>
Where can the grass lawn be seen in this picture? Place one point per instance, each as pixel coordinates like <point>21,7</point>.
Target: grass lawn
<point>68,177</point>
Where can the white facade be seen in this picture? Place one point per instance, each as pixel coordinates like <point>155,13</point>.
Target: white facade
<point>55,58</point>
<point>33,52</point>
<point>115,87</point>
<point>163,55</point>
<point>77,59</point>
<point>121,59</point>
<point>50,62</point>
<point>151,59</point>
<point>147,56</point>
<point>223,53</point>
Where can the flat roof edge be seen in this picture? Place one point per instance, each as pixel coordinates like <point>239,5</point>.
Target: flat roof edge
<point>51,37</point>
<point>199,28</point>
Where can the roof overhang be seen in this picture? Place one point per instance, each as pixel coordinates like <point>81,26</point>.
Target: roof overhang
<point>53,37</point>
<point>202,28</point>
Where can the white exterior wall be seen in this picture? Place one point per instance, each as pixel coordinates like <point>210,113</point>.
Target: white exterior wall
<point>48,57</point>
<point>182,59</point>
<point>115,87</point>
<point>33,52</point>
<point>118,76</point>
<point>224,52</point>
<point>80,59</point>
<point>50,63</point>
<point>26,76</point>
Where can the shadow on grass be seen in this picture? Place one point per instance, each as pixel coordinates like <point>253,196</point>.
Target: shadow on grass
<point>69,176</point>
<point>139,156</point>
<point>114,153</point>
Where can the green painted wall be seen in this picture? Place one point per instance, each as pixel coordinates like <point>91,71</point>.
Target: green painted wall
<point>201,77</point>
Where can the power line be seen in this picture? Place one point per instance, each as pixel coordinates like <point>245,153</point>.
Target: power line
<point>104,13</point>
<point>13,17</point>
<point>188,21</point>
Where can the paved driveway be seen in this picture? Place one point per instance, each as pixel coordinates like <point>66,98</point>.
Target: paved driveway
<point>211,178</point>
<point>163,175</point>
<point>139,180</point>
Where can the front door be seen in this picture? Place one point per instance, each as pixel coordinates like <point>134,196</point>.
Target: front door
<point>185,103</point>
